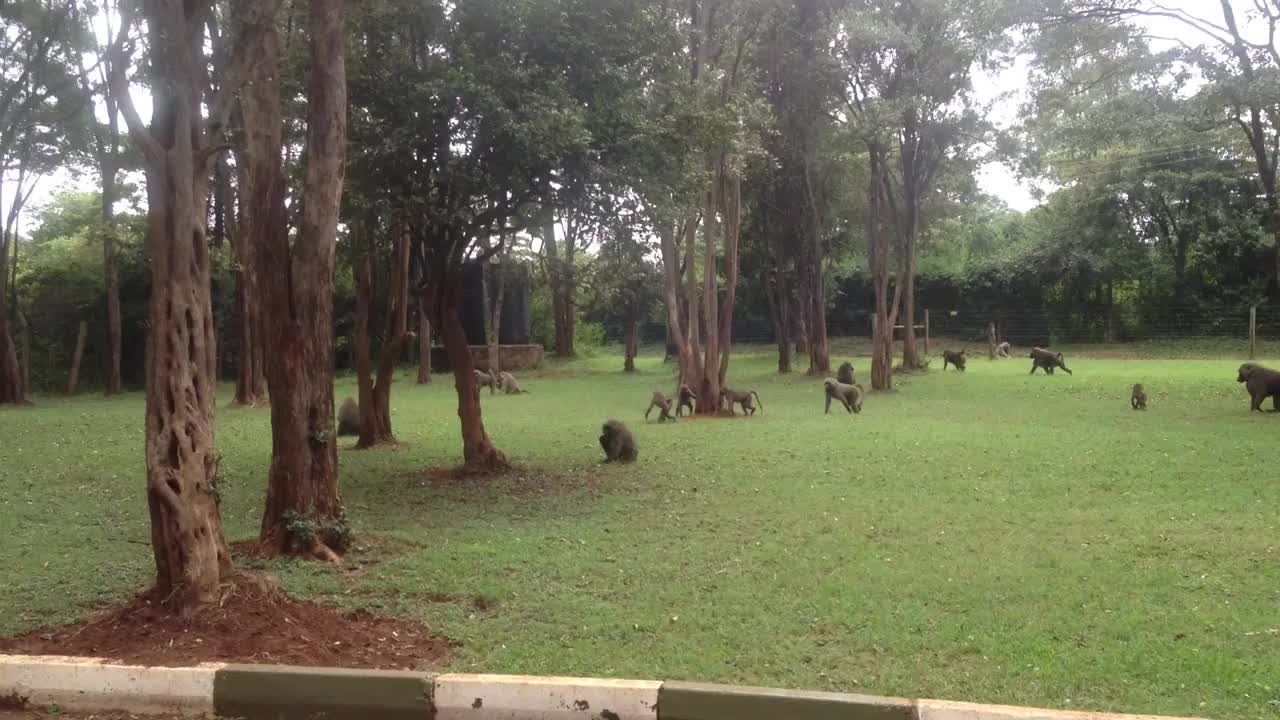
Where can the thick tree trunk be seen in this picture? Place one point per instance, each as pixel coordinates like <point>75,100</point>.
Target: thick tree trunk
<point>11,387</point>
<point>478,451</point>
<point>424,345</point>
<point>73,381</point>
<point>258,167</point>
<point>304,464</point>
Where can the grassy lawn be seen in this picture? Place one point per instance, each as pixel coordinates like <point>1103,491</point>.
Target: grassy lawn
<point>984,536</point>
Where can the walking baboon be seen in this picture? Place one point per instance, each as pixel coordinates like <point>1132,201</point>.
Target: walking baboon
<point>1139,397</point>
<point>741,397</point>
<point>483,378</point>
<point>349,418</point>
<point>663,403</point>
<point>618,442</point>
<point>845,374</point>
<point>955,358</point>
<point>1041,358</point>
<point>507,384</point>
<point>1262,383</point>
<point>685,399</point>
<point>1003,349</point>
<point>849,395</point>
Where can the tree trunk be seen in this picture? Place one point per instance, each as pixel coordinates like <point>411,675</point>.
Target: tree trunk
<point>303,480</point>
<point>258,167</point>
<point>24,339</point>
<point>111,277</point>
<point>991,340</point>
<point>910,353</point>
<point>778,316</point>
<point>424,345</point>
<point>494,295</point>
<point>561,314</point>
<point>369,431</point>
<point>478,451</point>
<point>693,373</point>
<point>12,390</point>
<point>671,274</point>
<point>74,380</point>
<point>878,250</point>
<point>730,196</point>
<point>631,345</point>
<point>801,324</point>
<point>375,397</point>
<point>709,387</point>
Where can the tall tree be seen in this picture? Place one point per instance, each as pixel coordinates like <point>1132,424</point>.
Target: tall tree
<point>182,466</point>
<point>375,393</point>
<point>303,482</point>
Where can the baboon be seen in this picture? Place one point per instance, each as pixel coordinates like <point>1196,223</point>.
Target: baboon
<point>685,399</point>
<point>1262,383</point>
<point>845,374</point>
<point>349,418</point>
<point>663,403</point>
<point>484,378</point>
<point>507,384</point>
<point>618,442</point>
<point>1002,350</point>
<point>1139,397</point>
<point>1041,358</point>
<point>748,399</point>
<point>849,395</point>
<point>955,358</point>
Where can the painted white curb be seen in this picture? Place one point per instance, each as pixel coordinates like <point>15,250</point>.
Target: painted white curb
<point>518,697</point>
<point>947,710</point>
<point>90,684</point>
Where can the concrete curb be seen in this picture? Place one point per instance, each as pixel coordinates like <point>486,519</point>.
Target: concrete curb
<point>260,692</point>
<point>91,684</point>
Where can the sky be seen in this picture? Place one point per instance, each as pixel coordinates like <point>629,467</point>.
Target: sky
<point>1006,91</point>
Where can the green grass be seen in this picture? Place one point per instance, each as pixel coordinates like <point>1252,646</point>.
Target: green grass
<point>985,536</point>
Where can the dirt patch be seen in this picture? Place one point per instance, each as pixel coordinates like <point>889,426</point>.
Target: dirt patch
<point>254,623</point>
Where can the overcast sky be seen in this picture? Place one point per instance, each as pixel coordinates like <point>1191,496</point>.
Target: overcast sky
<point>1005,89</point>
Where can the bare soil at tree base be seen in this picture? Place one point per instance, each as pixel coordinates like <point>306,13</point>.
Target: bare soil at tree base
<point>254,623</point>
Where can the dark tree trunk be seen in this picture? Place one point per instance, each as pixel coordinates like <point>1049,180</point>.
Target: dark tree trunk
<point>676,332</point>
<point>561,309</point>
<point>111,277</point>
<point>375,396</point>
<point>631,345</point>
<point>304,464</point>
<point>424,345</point>
<point>494,294</point>
<point>73,381</point>
<point>443,296</point>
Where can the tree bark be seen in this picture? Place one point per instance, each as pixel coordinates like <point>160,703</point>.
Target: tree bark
<point>631,345</point>
<point>709,387</point>
<point>424,345</point>
<point>730,196</point>
<point>111,277</point>
<point>73,381</point>
<point>991,340</point>
<point>494,282</point>
<point>303,480</point>
<point>375,396</point>
<point>561,310</point>
<point>879,221</point>
<point>443,297</point>
<point>677,335</point>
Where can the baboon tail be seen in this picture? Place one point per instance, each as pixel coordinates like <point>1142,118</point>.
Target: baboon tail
<point>758,400</point>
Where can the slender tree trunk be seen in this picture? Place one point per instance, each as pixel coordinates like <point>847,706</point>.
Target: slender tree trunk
<point>631,345</point>
<point>731,211</point>
<point>561,315</point>
<point>257,166</point>
<point>671,274</point>
<point>494,295</point>
<point>478,451</point>
<point>375,396</point>
<point>111,277</point>
<point>24,339</point>
<point>361,345</point>
<point>693,373</point>
<point>879,233</point>
<point>304,464</point>
<point>12,390</point>
<point>777,315</point>
<point>801,317</point>
<point>709,387</point>
<point>73,381</point>
<point>991,340</point>
<point>424,345</point>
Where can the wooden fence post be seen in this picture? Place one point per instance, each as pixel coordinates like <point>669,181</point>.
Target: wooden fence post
<point>1253,332</point>
<point>926,331</point>
<point>77,357</point>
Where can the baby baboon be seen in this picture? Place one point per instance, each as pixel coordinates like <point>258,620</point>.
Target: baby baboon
<point>1002,350</point>
<point>484,378</point>
<point>507,384</point>
<point>849,395</point>
<point>349,418</point>
<point>1262,383</point>
<point>663,403</point>
<point>1041,358</point>
<point>1139,397</point>
<point>741,397</point>
<point>955,358</point>
<point>845,374</point>
<point>685,399</point>
<point>618,442</point>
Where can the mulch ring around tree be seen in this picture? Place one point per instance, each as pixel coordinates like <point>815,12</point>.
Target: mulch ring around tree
<point>254,623</point>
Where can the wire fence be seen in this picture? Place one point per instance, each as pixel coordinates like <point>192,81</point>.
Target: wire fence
<point>1235,330</point>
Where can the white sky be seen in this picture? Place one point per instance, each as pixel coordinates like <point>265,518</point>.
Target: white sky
<point>1006,90</point>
